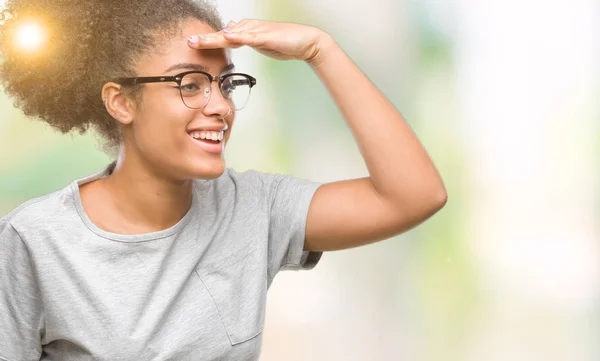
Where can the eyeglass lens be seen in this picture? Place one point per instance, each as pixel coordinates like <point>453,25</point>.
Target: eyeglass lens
<point>196,90</point>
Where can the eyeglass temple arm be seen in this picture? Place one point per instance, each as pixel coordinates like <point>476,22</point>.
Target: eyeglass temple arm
<point>142,80</point>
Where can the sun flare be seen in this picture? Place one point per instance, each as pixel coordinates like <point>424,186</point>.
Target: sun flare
<point>30,36</point>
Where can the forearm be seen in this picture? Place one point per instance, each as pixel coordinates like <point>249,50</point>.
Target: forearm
<point>400,169</point>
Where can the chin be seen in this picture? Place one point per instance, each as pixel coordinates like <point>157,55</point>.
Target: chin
<point>208,170</point>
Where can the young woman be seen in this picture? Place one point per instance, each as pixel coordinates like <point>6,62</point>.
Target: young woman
<point>166,254</point>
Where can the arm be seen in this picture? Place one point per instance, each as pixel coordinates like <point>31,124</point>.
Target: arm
<point>403,188</point>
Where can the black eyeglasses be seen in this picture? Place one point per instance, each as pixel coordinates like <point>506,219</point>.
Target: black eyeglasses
<point>195,87</point>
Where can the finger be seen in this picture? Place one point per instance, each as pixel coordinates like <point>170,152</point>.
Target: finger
<point>211,41</point>
<point>247,29</point>
<point>243,25</point>
<point>230,25</point>
<point>246,38</point>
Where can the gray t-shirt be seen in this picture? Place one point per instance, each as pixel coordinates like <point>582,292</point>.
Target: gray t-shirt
<point>196,291</point>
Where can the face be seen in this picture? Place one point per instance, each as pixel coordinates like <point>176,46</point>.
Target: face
<point>163,130</point>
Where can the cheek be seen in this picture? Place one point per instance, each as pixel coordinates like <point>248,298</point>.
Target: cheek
<point>161,121</point>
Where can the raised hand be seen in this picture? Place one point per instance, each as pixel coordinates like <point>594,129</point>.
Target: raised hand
<point>278,40</point>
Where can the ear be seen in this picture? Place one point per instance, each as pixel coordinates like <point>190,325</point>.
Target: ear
<point>119,105</point>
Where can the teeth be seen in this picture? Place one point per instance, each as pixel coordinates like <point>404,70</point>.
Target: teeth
<point>208,135</point>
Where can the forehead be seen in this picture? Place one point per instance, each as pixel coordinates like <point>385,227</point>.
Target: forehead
<point>175,50</point>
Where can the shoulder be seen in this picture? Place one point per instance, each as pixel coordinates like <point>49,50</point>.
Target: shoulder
<point>270,189</point>
<point>35,211</point>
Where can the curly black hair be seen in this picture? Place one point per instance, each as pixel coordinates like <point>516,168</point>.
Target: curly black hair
<point>89,43</point>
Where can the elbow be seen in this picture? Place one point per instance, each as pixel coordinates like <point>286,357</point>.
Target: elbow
<point>431,202</point>
<point>437,199</point>
<point>424,204</point>
<point>440,199</point>
<point>419,208</point>
<point>421,202</point>
<point>429,196</point>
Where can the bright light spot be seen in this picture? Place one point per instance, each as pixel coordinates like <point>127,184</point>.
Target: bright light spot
<point>30,36</point>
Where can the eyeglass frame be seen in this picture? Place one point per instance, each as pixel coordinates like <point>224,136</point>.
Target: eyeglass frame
<point>179,77</point>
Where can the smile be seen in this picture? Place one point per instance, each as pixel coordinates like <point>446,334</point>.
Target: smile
<point>209,141</point>
<point>208,135</point>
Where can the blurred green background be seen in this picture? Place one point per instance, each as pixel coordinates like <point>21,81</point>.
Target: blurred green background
<point>504,96</point>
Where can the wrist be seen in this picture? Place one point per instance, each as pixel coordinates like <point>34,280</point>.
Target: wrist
<point>322,46</point>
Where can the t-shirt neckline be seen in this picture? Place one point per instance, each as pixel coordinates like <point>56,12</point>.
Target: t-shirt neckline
<point>143,237</point>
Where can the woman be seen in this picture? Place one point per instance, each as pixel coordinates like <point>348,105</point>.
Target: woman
<point>166,254</point>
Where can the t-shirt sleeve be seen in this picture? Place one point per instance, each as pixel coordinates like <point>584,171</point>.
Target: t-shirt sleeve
<point>290,199</point>
<point>20,302</point>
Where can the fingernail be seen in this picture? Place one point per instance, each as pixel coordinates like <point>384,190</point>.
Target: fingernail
<point>227,31</point>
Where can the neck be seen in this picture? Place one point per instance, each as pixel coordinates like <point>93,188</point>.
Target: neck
<point>146,198</point>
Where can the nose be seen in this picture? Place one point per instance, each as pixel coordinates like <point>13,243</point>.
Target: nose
<point>217,104</point>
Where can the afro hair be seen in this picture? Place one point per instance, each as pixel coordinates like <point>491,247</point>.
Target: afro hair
<point>89,42</point>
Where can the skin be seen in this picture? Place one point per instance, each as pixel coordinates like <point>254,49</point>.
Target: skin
<point>403,188</point>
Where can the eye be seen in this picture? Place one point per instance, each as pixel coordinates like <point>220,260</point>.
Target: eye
<point>193,84</point>
<point>190,87</point>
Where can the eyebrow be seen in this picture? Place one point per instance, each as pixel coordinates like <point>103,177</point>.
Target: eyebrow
<point>191,66</point>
